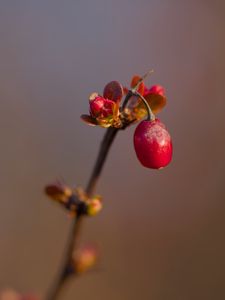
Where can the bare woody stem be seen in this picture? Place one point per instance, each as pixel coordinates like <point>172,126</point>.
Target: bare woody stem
<point>77,222</point>
<point>104,149</point>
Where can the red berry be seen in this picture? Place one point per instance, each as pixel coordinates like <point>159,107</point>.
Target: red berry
<point>153,145</point>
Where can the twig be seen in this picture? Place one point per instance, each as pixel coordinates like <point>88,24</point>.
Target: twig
<point>77,222</point>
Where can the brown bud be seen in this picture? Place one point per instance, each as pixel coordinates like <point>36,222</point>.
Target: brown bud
<point>58,191</point>
<point>84,259</point>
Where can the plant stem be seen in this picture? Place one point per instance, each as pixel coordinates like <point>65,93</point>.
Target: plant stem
<point>151,116</point>
<point>77,222</point>
<point>104,149</point>
<point>134,90</point>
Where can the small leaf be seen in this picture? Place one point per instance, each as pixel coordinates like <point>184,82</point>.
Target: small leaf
<point>105,122</point>
<point>125,90</point>
<point>88,120</point>
<point>135,81</point>
<point>116,108</point>
<point>156,102</point>
<point>113,91</point>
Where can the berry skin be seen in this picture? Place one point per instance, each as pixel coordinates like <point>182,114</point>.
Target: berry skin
<point>153,145</point>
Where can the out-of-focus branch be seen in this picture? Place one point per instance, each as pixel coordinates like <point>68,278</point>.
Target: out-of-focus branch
<point>64,275</point>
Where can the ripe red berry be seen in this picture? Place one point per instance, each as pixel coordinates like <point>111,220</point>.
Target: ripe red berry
<point>153,145</point>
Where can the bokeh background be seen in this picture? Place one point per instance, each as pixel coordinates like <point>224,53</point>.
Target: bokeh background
<point>161,233</point>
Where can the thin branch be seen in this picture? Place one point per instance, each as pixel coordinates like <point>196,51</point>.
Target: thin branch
<point>77,223</point>
<point>104,149</point>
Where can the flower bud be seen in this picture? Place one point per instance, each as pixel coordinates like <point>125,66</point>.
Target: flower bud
<point>94,206</point>
<point>84,259</point>
<point>100,107</point>
<point>9,294</point>
<point>58,192</point>
<point>29,297</point>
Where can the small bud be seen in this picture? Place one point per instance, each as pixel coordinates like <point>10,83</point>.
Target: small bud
<point>155,89</point>
<point>13,295</point>
<point>94,206</point>
<point>73,201</point>
<point>84,259</point>
<point>29,297</point>
<point>100,107</point>
<point>9,295</point>
<point>58,191</point>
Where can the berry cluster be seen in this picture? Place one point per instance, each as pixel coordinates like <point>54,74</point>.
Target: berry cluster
<point>152,142</point>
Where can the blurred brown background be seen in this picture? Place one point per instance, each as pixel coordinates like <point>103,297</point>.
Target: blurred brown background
<point>161,233</point>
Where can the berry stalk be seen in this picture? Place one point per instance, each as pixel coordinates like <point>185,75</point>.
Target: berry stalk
<point>151,116</point>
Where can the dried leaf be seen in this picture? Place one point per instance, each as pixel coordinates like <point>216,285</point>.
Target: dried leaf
<point>88,120</point>
<point>135,81</point>
<point>156,102</point>
<point>113,91</point>
<point>105,122</point>
<point>125,90</point>
<point>116,108</point>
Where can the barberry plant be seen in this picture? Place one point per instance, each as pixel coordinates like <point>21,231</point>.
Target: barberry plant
<point>116,109</point>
